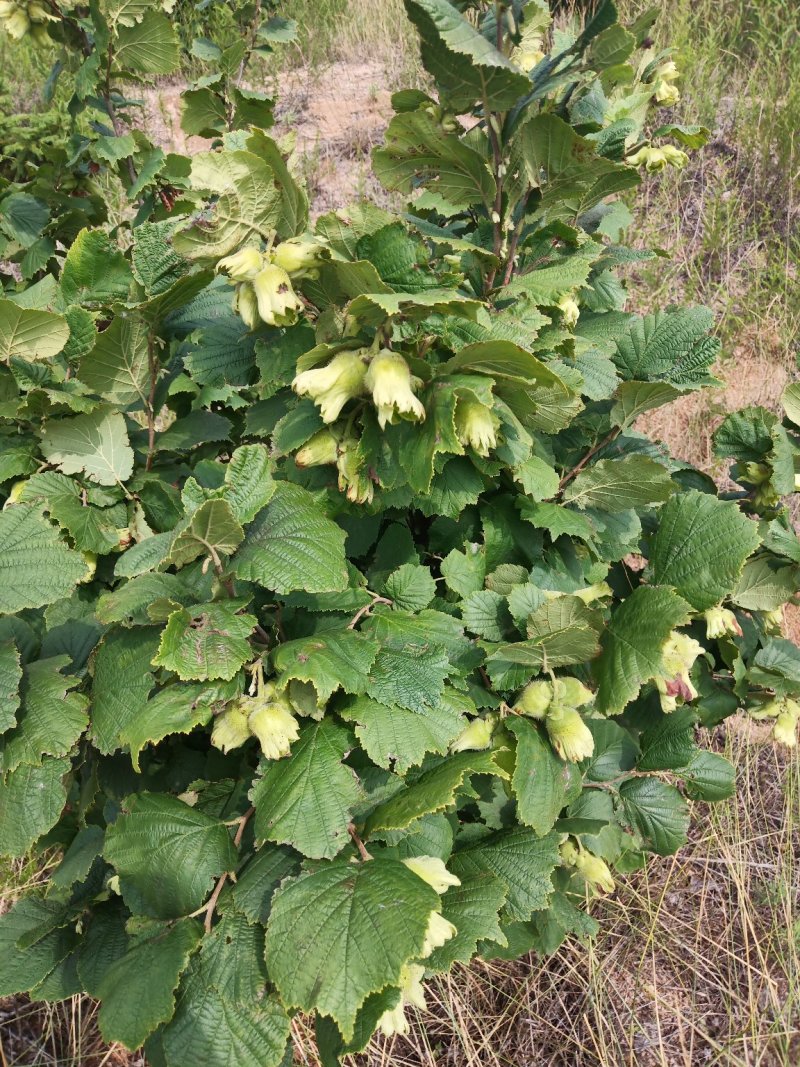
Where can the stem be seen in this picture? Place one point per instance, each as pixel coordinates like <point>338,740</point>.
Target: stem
<point>112,114</point>
<point>366,610</point>
<point>358,843</point>
<point>153,364</point>
<point>592,451</point>
<point>209,908</point>
<point>251,43</point>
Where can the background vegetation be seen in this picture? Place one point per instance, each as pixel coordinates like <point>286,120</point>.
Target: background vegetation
<point>698,960</point>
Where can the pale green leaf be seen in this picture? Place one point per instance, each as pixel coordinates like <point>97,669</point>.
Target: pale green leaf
<point>150,46</point>
<point>213,530</point>
<point>96,444</point>
<point>28,333</point>
<point>246,207</point>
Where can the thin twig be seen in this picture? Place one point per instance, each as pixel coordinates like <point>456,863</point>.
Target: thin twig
<point>152,364</point>
<point>367,608</point>
<point>210,907</point>
<point>592,452</point>
<point>358,843</point>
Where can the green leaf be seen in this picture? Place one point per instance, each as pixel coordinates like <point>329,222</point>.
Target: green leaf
<point>202,113</point>
<point>176,709</point>
<point>700,547</point>
<point>51,940</point>
<point>206,641</point>
<point>31,801</point>
<point>196,428</point>
<point>709,777</point>
<point>614,485</point>
<point>614,751</point>
<point>123,679</point>
<point>156,265</point>
<point>670,346</point>
<point>362,921</point>
<point>293,214</point>
<point>558,520</point>
<point>632,644</point>
<point>305,801</point>
<point>540,778</point>
<point>167,855</point>
<point>213,530</point>
<point>485,613</point>
<point>632,399</point>
<point>92,528</point>
<point>433,791</point>
<point>657,812</point>
<point>522,861</point>
<point>465,572</point>
<point>329,660</point>
<point>104,942</point>
<point>764,586</point>
<point>467,68</point>
<point>96,444</point>
<point>28,333</point>
<point>257,881</point>
<point>472,908</point>
<point>412,676</point>
<point>538,479</point>
<point>130,601</point>
<point>149,46</point>
<point>246,208</point>
<point>668,745</point>
<point>10,677</point>
<point>95,272</point>
<point>51,718</point>
<point>398,738</point>
<point>138,991</point>
<point>561,631</point>
<point>36,567</point>
<point>292,545</point>
<point>79,858</point>
<point>417,148</point>
<point>145,556</point>
<point>24,217</point>
<point>118,366</point>
<point>410,587</point>
<point>248,481</point>
<point>210,1029</point>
